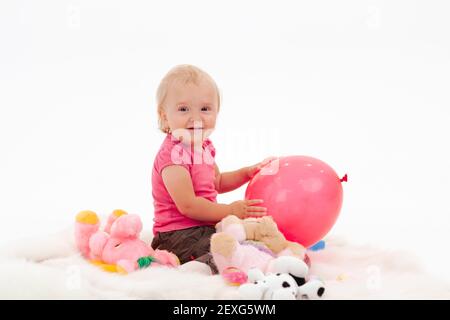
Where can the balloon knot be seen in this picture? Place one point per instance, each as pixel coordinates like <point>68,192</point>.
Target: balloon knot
<point>344,178</point>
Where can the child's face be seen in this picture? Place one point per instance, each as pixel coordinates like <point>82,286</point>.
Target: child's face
<point>190,110</point>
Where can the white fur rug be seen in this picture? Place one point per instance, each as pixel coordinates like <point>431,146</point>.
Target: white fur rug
<point>50,268</point>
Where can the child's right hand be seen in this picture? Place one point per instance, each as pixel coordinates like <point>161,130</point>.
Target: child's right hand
<point>246,208</point>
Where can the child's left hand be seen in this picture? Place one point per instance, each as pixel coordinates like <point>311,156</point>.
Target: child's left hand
<point>253,170</point>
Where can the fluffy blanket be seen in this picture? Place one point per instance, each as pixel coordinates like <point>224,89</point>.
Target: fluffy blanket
<point>49,267</point>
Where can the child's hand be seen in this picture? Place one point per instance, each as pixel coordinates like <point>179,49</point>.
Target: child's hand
<point>245,208</point>
<point>252,170</point>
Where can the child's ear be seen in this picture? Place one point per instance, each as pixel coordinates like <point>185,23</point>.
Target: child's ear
<point>163,121</point>
<point>162,113</point>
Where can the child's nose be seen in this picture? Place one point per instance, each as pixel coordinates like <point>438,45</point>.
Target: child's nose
<point>197,122</point>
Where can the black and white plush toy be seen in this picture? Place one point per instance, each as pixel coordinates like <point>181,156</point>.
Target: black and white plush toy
<point>287,280</point>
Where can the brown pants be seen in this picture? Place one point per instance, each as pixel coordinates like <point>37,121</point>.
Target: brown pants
<point>188,244</point>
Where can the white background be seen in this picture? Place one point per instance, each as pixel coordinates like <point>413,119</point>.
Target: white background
<point>361,85</point>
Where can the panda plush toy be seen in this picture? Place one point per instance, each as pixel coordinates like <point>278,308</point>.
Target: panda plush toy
<point>288,281</point>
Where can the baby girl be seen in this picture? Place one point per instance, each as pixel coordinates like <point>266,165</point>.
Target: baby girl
<point>185,177</point>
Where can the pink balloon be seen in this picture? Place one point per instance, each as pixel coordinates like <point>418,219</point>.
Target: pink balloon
<point>302,194</point>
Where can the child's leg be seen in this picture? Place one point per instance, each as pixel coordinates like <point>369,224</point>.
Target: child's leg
<point>188,244</point>
<point>207,258</point>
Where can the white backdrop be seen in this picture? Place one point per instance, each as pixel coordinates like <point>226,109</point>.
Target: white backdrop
<point>362,85</point>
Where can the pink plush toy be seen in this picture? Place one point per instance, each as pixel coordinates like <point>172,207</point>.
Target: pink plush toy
<point>117,248</point>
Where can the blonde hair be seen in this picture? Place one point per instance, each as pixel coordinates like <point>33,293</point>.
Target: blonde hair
<point>185,74</point>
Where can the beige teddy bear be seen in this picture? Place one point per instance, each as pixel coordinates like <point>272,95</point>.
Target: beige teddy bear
<point>251,243</point>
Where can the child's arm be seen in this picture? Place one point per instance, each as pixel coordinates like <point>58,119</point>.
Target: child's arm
<point>179,185</point>
<point>229,181</point>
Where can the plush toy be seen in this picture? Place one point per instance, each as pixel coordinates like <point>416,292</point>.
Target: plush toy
<point>117,248</point>
<point>251,243</point>
<point>287,283</point>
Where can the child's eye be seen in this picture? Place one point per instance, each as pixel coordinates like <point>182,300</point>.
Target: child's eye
<point>183,109</point>
<point>206,108</point>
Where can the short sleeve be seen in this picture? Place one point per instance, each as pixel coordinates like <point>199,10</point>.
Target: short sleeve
<point>173,155</point>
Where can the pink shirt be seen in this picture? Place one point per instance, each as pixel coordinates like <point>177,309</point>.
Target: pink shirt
<point>201,169</point>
